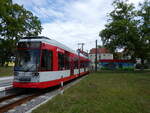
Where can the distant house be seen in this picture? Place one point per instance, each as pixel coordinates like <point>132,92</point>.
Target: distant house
<point>102,53</point>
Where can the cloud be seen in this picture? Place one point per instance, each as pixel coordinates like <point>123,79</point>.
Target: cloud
<point>47,13</point>
<point>83,21</point>
<point>136,2</point>
<point>70,33</point>
<point>72,21</point>
<point>31,3</point>
<point>89,11</point>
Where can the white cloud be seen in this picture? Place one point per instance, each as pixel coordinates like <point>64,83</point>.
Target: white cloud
<point>84,20</point>
<point>70,33</point>
<point>31,3</point>
<point>47,13</point>
<point>88,11</point>
<point>136,2</point>
<point>73,21</point>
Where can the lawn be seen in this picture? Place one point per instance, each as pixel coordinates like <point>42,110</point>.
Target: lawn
<point>6,71</point>
<point>104,92</point>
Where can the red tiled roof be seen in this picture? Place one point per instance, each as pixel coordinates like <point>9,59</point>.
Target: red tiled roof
<point>99,50</point>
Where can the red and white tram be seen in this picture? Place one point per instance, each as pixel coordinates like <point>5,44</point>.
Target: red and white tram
<point>42,62</point>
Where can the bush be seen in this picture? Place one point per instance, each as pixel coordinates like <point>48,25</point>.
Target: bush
<point>141,66</point>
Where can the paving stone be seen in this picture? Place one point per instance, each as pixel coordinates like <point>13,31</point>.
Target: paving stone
<point>23,104</point>
<point>32,100</point>
<point>12,111</point>
<point>14,99</point>
<point>3,103</point>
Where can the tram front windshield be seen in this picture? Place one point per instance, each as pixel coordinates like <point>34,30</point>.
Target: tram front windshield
<point>27,60</point>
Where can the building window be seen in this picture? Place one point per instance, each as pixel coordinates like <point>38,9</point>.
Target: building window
<point>46,60</point>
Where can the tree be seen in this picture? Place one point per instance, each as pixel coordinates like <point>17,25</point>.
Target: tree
<point>122,32</point>
<point>144,27</point>
<point>15,22</point>
<point>6,50</point>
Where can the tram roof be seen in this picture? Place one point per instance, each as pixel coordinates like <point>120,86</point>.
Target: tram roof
<point>48,41</point>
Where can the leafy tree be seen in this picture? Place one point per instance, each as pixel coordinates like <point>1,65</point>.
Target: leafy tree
<point>6,50</point>
<point>122,32</point>
<point>15,22</point>
<point>144,27</point>
<point>100,46</point>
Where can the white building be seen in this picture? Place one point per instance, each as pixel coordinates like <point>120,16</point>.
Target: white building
<point>102,53</point>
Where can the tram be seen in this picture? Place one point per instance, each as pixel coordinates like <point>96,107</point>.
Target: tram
<point>42,62</point>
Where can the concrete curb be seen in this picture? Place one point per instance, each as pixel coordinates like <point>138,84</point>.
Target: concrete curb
<point>6,78</point>
<point>41,104</point>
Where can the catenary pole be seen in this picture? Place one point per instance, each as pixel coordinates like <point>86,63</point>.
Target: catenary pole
<point>96,56</point>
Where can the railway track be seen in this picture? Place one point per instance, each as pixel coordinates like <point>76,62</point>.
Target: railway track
<point>2,99</point>
<point>9,102</point>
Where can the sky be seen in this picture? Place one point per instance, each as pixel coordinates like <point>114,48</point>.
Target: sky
<point>72,21</point>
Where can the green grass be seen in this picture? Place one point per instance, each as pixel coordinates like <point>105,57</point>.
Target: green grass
<point>6,71</point>
<point>104,92</point>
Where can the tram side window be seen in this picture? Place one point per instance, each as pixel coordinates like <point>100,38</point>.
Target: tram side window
<point>46,61</point>
<point>81,64</point>
<point>76,63</point>
<point>87,64</point>
<point>67,62</point>
<point>61,62</point>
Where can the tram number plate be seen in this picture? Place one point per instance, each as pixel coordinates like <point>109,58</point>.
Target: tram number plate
<point>25,78</point>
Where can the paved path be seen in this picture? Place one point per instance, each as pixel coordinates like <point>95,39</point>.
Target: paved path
<point>6,81</point>
<point>6,78</point>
